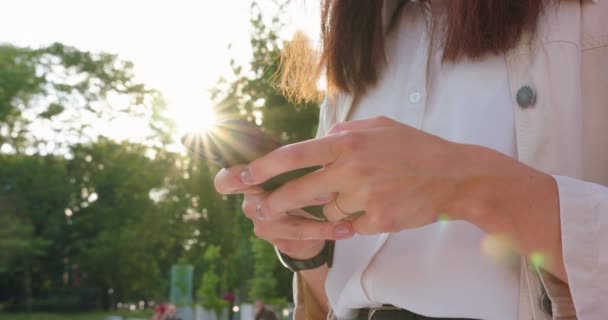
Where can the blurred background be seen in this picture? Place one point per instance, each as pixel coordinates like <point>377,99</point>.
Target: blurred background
<point>103,213</point>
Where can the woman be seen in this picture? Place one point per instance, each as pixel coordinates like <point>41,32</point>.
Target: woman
<point>489,115</point>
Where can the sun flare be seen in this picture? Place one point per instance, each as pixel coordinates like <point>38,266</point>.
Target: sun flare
<point>194,119</point>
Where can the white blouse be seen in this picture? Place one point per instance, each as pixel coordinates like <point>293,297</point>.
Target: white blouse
<point>440,270</point>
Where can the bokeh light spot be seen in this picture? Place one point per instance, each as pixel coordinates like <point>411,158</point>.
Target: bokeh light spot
<point>538,259</point>
<point>498,248</point>
<point>443,217</point>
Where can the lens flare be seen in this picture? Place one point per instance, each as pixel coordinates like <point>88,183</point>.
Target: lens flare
<point>499,248</point>
<point>443,217</point>
<point>538,259</point>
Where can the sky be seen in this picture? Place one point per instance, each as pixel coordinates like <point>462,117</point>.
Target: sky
<point>179,47</point>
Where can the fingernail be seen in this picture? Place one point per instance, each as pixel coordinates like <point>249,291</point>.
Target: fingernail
<point>246,177</point>
<point>342,230</point>
<point>259,214</point>
<point>324,198</point>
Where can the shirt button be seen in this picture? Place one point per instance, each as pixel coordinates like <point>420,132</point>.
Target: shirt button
<point>415,97</point>
<point>526,97</point>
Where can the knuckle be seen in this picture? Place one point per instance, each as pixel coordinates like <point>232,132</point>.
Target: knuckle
<point>372,198</point>
<point>269,207</point>
<point>259,230</point>
<point>248,206</point>
<point>340,126</point>
<point>299,235</point>
<point>358,169</point>
<point>296,232</point>
<point>362,227</point>
<point>290,154</point>
<point>383,119</point>
<point>285,246</point>
<point>351,140</point>
<point>384,222</point>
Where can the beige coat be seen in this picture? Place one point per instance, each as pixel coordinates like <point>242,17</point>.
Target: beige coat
<point>564,133</point>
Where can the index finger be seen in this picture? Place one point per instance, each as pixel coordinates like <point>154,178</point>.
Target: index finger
<point>227,181</point>
<point>309,153</point>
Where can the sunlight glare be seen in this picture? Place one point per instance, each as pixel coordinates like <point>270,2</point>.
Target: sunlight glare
<point>193,119</point>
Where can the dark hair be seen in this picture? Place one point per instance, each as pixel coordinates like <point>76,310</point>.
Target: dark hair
<point>353,37</point>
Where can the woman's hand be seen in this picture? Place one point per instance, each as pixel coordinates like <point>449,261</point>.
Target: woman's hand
<point>404,178</point>
<point>295,234</point>
<point>399,176</point>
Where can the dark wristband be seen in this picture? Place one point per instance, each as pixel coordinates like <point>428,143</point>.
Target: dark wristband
<point>325,256</point>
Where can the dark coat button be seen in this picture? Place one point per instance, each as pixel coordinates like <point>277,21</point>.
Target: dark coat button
<point>526,97</point>
<point>545,304</point>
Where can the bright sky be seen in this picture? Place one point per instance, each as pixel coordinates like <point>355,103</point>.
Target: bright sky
<point>179,47</point>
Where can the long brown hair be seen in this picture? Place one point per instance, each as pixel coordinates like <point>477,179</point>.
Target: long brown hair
<point>352,36</point>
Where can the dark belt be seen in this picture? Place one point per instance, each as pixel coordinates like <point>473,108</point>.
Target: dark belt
<point>394,313</point>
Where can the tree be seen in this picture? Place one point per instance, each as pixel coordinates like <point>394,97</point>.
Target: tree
<point>52,97</point>
<point>33,189</point>
<point>208,292</point>
<point>88,215</point>
<point>87,205</point>
<point>253,93</point>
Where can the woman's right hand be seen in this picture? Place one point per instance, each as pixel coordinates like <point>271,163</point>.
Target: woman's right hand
<point>295,234</point>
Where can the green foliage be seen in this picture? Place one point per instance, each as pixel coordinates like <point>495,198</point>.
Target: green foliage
<point>67,91</point>
<point>96,215</point>
<point>254,94</point>
<point>207,292</point>
<point>263,285</point>
<point>75,316</point>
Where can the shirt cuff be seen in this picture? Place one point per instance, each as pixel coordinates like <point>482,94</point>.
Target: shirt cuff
<point>584,231</point>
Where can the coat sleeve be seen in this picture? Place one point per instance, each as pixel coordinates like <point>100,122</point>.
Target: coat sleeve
<point>584,232</point>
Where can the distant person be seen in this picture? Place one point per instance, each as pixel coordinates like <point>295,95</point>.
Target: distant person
<point>159,311</point>
<point>165,312</point>
<point>229,297</point>
<point>263,313</point>
<point>171,313</point>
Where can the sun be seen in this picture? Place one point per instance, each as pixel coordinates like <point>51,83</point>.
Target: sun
<point>194,119</point>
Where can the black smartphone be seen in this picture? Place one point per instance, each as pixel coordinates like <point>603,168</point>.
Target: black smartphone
<point>235,141</point>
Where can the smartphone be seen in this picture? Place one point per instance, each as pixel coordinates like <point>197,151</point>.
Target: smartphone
<point>235,141</point>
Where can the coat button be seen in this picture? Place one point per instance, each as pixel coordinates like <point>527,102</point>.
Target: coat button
<point>526,97</point>
<point>545,304</point>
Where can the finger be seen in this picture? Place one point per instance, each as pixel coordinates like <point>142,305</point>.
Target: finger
<point>296,228</point>
<point>316,185</point>
<point>374,222</point>
<point>250,204</point>
<point>227,181</point>
<point>375,122</point>
<point>254,209</point>
<point>344,206</point>
<point>300,155</point>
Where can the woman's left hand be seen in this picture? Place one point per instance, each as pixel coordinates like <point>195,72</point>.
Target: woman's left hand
<point>399,176</point>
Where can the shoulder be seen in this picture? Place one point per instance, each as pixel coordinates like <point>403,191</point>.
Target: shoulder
<point>594,25</point>
<point>581,23</point>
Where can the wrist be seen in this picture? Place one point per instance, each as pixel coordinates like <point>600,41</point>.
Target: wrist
<point>499,202</point>
<point>486,186</point>
<point>324,257</point>
<point>307,252</point>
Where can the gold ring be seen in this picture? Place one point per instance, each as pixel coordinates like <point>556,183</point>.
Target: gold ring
<point>340,210</point>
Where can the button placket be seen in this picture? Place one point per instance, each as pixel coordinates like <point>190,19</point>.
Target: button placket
<point>417,80</point>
